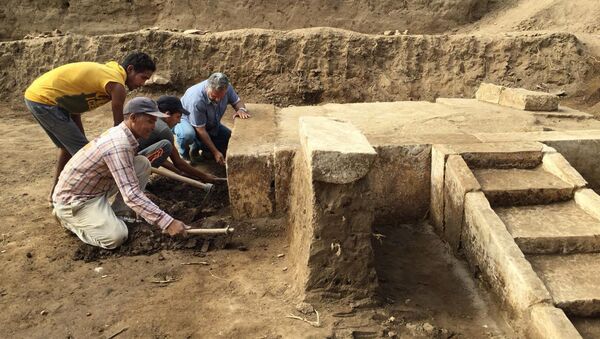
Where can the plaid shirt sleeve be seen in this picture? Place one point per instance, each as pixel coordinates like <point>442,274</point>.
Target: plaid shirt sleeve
<point>119,160</point>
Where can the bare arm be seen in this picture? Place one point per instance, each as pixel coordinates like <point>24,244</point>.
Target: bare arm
<point>241,110</point>
<point>188,170</point>
<point>77,120</point>
<point>205,139</point>
<point>117,95</point>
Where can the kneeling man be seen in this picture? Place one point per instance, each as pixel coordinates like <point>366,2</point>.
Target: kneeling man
<point>106,166</point>
<point>160,145</point>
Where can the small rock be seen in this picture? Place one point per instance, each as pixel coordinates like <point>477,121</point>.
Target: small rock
<point>285,269</point>
<point>407,301</point>
<point>392,334</point>
<point>99,269</point>
<point>29,255</point>
<point>242,248</point>
<point>44,312</point>
<point>158,79</point>
<point>193,31</point>
<point>428,328</point>
<point>88,314</point>
<point>388,32</point>
<point>160,257</point>
<point>280,255</point>
<point>305,308</point>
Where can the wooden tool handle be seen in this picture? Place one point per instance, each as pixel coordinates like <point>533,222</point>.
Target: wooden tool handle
<point>226,230</point>
<point>165,172</point>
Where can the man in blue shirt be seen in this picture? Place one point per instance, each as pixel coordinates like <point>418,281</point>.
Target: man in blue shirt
<point>202,128</point>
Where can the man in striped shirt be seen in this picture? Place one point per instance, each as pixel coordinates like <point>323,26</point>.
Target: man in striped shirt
<point>107,166</point>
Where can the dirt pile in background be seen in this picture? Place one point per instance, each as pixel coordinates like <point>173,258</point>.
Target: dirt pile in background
<point>18,18</point>
<point>310,66</point>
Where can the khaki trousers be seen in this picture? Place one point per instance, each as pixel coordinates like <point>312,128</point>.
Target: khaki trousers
<point>94,221</point>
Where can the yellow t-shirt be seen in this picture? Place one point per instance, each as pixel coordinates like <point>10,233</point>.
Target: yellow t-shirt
<point>78,87</point>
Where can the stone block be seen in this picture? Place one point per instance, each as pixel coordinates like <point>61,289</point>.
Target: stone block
<point>582,154</point>
<point>500,154</point>
<point>556,164</point>
<point>330,222</point>
<point>458,181</point>
<point>283,164</point>
<point>573,280</point>
<point>250,181</point>
<point>250,170</point>
<point>512,187</point>
<point>554,228</point>
<point>588,201</point>
<point>491,250</point>
<point>336,151</point>
<point>528,100</point>
<point>489,93</point>
<point>439,154</point>
<point>549,322</point>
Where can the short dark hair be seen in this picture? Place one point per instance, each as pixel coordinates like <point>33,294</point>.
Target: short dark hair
<point>140,61</point>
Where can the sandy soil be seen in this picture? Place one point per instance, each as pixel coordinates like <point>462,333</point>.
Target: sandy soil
<point>54,286</point>
<point>51,287</point>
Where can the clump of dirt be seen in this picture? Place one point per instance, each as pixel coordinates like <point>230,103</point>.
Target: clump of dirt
<point>188,204</point>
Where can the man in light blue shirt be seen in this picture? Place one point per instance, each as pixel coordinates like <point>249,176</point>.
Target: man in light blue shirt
<point>202,129</point>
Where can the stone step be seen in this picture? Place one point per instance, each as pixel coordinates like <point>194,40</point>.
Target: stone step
<point>513,187</point>
<point>573,281</point>
<point>552,229</point>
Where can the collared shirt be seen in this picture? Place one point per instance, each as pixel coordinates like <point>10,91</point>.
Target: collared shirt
<point>204,112</point>
<point>160,132</point>
<point>98,166</point>
<point>78,87</point>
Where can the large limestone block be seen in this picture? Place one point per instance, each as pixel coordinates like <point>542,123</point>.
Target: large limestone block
<point>337,152</point>
<point>589,201</point>
<point>556,164</point>
<point>528,100</point>
<point>250,189</point>
<point>250,163</point>
<point>549,322</point>
<point>573,281</point>
<point>510,187</point>
<point>554,228</point>
<point>439,154</point>
<point>490,249</point>
<point>330,235</point>
<point>500,154</point>
<point>459,180</point>
<point>489,92</point>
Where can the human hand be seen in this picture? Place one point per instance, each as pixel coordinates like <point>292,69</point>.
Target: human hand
<point>176,227</point>
<point>242,113</point>
<point>219,158</point>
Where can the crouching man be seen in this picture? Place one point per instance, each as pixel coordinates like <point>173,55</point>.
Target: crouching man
<point>160,145</point>
<point>106,166</point>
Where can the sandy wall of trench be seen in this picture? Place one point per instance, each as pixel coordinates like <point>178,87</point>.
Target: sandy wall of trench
<point>311,66</point>
<point>19,17</point>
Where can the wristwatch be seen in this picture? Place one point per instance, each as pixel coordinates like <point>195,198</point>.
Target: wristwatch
<point>243,109</point>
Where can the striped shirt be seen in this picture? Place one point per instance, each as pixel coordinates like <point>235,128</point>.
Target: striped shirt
<point>98,166</point>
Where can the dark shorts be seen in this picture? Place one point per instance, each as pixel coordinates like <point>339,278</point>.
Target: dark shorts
<point>59,126</point>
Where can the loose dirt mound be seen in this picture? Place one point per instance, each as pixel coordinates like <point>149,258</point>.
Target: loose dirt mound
<point>183,203</point>
<point>526,15</point>
<point>311,66</point>
<point>18,18</point>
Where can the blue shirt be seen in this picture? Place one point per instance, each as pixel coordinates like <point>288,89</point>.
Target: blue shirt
<point>203,112</point>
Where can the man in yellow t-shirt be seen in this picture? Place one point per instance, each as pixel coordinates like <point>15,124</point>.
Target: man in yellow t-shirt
<point>57,98</point>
